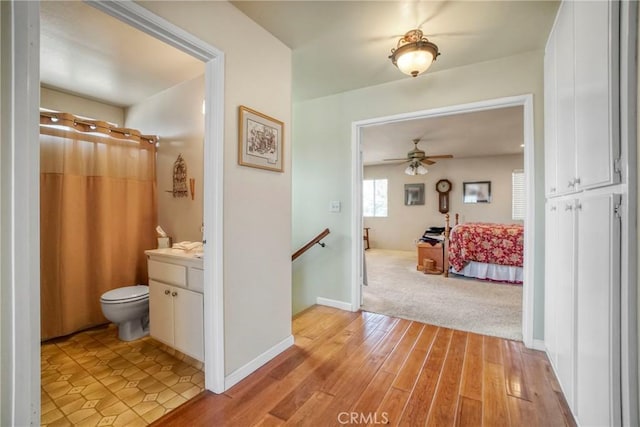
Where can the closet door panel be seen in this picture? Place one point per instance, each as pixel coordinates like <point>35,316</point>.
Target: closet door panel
<point>551,283</point>
<point>565,308</point>
<point>566,153</point>
<point>550,123</point>
<point>598,312</point>
<point>596,113</point>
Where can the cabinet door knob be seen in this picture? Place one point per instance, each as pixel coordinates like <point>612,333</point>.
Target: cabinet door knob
<point>568,207</point>
<point>167,292</point>
<point>571,184</point>
<point>553,208</point>
<point>576,181</point>
<point>552,190</point>
<point>174,293</point>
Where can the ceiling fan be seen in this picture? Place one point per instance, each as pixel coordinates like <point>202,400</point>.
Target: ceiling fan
<point>417,155</point>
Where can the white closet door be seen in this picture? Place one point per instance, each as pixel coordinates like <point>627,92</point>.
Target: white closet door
<point>565,318</point>
<point>550,122</point>
<point>551,281</point>
<point>596,86</point>
<point>566,171</point>
<point>598,312</point>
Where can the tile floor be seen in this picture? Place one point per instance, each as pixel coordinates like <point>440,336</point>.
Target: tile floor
<point>94,379</point>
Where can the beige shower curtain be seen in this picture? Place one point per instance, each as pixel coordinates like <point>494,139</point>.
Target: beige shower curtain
<point>98,215</point>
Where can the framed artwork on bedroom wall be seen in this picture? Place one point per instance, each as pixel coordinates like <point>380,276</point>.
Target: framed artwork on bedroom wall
<point>476,192</point>
<point>413,194</point>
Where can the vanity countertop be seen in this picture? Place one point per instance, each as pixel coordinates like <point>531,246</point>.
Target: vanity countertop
<point>192,258</point>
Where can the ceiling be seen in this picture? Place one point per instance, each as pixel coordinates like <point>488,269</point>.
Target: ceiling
<point>476,134</point>
<point>84,51</point>
<point>336,46</point>
<point>344,45</point>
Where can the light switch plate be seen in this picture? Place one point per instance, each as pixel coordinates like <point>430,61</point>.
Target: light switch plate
<point>334,206</point>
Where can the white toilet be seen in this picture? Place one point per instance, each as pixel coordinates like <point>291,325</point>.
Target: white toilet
<point>128,307</point>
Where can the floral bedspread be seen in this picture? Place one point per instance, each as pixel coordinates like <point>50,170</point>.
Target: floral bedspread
<point>490,243</point>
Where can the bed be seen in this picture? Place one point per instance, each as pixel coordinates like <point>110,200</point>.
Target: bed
<point>486,251</point>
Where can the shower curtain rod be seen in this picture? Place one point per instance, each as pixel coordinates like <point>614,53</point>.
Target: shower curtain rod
<point>85,125</point>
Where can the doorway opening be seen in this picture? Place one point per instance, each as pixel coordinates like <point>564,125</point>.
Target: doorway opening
<point>360,130</point>
<point>21,319</point>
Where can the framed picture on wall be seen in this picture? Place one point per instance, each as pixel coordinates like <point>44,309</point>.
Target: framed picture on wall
<point>476,192</point>
<point>413,194</point>
<point>260,140</point>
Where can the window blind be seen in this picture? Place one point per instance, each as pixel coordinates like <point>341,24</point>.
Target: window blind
<point>518,200</point>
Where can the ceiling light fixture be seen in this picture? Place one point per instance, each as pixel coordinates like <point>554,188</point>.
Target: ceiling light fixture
<point>414,53</point>
<point>415,168</point>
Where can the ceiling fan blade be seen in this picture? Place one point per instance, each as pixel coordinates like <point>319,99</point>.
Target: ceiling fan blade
<point>441,35</point>
<point>427,161</point>
<point>437,11</point>
<point>444,156</point>
<point>395,160</point>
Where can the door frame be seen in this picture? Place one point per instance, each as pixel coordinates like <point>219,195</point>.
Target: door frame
<point>530,259</point>
<point>19,199</point>
<point>142,19</point>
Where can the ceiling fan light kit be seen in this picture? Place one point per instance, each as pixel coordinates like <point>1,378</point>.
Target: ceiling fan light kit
<point>415,168</point>
<point>416,158</point>
<point>414,53</point>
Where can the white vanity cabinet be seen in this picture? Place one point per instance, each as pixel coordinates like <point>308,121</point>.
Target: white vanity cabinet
<point>176,315</point>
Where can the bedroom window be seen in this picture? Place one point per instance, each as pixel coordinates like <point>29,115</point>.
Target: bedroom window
<point>517,195</point>
<point>374,197</point>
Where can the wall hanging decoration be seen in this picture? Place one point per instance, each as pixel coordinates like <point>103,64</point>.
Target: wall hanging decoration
<point>180,177</point>
<point>443,187</point>
<point>413,194</point>
<point>476,192</point>
<point>261,140</point>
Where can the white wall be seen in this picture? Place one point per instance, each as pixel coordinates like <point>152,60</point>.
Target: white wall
<point>257,203</point>
<point>79,106</point>
<point>405,224</point>
<point>175,115</point>
<point>322,150</point>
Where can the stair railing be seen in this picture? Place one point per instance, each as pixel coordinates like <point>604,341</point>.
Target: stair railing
<point>315,240</point>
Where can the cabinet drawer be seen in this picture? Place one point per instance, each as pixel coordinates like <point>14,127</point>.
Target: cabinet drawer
<point>168,273</point>
<point>196,279</point>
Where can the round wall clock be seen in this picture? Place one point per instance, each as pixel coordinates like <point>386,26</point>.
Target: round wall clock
<point>443,187</point>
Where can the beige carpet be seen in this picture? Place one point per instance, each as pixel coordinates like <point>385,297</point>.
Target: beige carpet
<point>397,289</point>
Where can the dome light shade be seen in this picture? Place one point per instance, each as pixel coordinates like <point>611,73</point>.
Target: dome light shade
<point>414,53</point>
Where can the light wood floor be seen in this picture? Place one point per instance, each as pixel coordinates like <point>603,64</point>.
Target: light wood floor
<point>364,368</point>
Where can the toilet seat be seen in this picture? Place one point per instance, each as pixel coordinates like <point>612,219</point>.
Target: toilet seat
<point>125,294</point>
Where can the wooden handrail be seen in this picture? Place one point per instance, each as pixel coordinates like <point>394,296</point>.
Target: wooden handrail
<point>310,244</point>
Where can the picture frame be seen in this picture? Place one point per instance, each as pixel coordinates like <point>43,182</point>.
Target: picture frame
<point>476,192</point>
<point>413,194</point>
<point>260,140</point>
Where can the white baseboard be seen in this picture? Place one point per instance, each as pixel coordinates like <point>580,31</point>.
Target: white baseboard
<point>334,303</point>
<point>241,373</point>
<point>539,345</point>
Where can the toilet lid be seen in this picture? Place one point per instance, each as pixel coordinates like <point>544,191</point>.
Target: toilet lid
<point>126,294</point>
